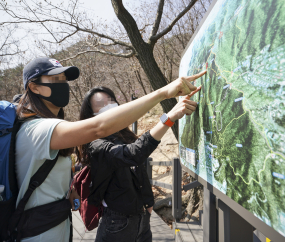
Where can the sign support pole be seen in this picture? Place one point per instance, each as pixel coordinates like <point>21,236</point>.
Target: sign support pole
<point>209,217</point>
<point>232,227</point>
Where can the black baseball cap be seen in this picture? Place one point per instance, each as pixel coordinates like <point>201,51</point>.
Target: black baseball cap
<point>47,66</point>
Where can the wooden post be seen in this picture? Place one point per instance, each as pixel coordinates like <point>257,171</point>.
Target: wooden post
<point>176,189</point>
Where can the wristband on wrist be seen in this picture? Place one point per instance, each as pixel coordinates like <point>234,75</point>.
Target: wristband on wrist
<point>165,120</point>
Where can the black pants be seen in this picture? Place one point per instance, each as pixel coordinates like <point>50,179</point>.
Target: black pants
<point>117,227</point>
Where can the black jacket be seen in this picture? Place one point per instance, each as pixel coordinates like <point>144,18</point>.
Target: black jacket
<point>124,189</point>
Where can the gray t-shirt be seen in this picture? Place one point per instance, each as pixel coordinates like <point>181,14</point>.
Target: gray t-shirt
<point>32,149</point>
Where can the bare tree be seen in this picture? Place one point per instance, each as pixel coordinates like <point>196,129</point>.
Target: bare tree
<point>9,45</point>
<point>10,79</point>
<point>68,24</point>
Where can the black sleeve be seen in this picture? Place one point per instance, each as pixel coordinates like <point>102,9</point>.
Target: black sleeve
<point>124,155</point>
<point>101,176</point>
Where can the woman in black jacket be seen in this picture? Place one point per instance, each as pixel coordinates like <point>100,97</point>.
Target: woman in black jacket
<point>119,178</point>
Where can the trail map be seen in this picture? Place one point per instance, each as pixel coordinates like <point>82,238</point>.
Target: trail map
<point>235,140</point>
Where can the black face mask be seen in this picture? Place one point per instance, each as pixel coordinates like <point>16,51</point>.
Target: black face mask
<point>59,93</point>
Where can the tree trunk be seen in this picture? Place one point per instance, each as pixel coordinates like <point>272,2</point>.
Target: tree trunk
<point>156,78</point>
<point>144,53</point>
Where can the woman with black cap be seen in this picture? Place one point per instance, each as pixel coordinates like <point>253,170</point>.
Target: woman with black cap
<point>48,136</point>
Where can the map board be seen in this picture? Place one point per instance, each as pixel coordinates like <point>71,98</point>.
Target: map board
<point>235,140</point>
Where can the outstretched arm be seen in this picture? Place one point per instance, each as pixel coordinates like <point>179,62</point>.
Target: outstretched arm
<point>184,106</point>
<point>71,134</point>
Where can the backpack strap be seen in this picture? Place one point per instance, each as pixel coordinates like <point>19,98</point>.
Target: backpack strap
<point>40,219</point>
<point>36,180</point>
<point>12,158</point>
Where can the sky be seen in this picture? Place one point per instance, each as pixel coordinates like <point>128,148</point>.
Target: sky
<point>98,9</point>
<point>103,8</point>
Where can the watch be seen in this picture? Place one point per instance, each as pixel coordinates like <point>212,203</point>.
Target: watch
<point>165,120</point>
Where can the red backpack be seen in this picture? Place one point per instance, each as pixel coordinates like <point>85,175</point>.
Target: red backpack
<point>90,214</point>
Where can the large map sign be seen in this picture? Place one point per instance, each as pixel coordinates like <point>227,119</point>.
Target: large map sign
<point>236,138</point>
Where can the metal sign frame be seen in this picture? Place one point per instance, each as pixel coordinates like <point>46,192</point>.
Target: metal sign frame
<point>245,214</point>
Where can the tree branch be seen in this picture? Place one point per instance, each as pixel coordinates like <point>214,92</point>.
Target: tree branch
<point>118,85</point>
<point>158,18</point>
<point>67,36</point>
<point>129,24</point>
<point>23,20</point>
<point>7,46</point>
<point>77,100</point>
<point>138,76</point>
<point>170,26</point>
<point>39,19</point>
<point>132,53</point>
<point>5,41</point>
<point>142,30</point>
<point>9,54</point>
<point>109,44</point>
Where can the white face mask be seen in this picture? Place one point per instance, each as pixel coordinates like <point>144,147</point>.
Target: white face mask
<point>107,107</point>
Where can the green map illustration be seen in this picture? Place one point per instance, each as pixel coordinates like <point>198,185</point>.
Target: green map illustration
<point>235,140</point>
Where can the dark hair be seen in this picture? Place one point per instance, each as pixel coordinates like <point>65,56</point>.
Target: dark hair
<point>125,135</point>
<point>31,105</point>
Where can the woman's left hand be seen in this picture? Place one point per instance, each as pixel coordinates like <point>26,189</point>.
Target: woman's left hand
<point>184,106</point>
<point>74,195</point>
